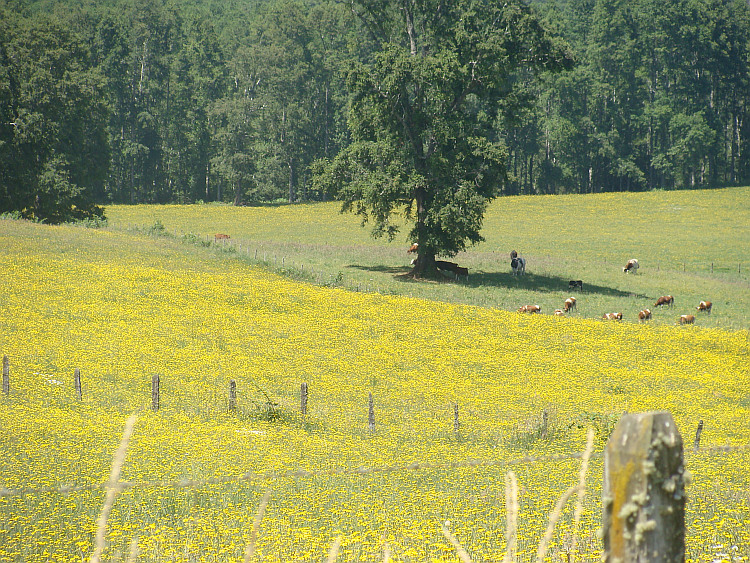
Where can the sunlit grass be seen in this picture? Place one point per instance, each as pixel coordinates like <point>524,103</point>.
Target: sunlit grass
<point>123,307</point>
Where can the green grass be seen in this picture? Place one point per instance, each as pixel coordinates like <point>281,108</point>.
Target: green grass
<point>694,245</point>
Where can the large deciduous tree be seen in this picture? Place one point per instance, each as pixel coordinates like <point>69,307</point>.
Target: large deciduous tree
<point>422,115</point>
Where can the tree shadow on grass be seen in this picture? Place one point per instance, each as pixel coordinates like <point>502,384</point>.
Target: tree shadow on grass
<point>530,282</point>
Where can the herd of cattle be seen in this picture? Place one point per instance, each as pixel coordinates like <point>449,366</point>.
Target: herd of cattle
<point>518,268</point>
<point>570,303</point>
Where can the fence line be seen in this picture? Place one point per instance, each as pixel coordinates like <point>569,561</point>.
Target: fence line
<point>303,473</point>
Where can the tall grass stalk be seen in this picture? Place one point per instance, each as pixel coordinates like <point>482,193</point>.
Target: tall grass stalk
<point>581,492</point>
<point>463,555</point>
<point>250,549</point>
<point>511,516</point>
<point>113,489</point>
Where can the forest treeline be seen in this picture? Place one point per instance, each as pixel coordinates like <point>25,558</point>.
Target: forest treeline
<point>154,101</point>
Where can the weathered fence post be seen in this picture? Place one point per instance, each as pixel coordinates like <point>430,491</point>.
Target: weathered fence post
<point>545,416</point>
<point>6,375</point>
<point>77,379</point>
<point>712,267</point>
<point>644,491</point>
<point>698,432</point>
<point>371,415</point>
<point>303,398</point>
<point>456,424</point>
<point>155,393</point>
<point>232,395</point>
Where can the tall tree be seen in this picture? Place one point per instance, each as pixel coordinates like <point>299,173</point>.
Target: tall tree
<point>422,112</point>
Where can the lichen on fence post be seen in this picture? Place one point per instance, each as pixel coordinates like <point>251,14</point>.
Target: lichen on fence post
<point>644,491</point>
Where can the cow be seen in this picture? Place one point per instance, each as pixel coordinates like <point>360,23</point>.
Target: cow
<point>570,304</point>
<point>513,254</point>
<point>631,266</point>
<point>612,316</point>
<point>442,265</point>
<point>559,313</point>
<point>704,306</point>
<point>220,236</point>
<point>530,309</point>
<point>664,300</point>
<point>573,284</point>
<point>644,315</point>
<point>518,265</point>
<point>687,319</point>
<point>413,248</point>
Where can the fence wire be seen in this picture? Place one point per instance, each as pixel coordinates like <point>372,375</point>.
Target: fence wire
<point>308,474</point>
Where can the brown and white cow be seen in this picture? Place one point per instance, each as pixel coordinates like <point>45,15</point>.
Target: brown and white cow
<point>644,315</point>
<point>570,304</point>
<point>687,319</point>
<point>612,316</point>
<point>704,306</point>
<point>559,313</point>
<point>413,248</point>
<point>664,300</point>
<point>219,236</point>
<point>530,309</point>
<point>631,266</point>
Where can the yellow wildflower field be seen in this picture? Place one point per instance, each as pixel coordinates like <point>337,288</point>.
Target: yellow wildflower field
<point>123,308</point>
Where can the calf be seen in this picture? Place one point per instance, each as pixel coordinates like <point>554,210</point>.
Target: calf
<point>687,319</point>
<point>631,266</point>
<point>573,284</point>
<point>559,313</point>
<point>664,300</point>
<point>644,315</point>
<point>612,316</point>
<point>570,304</point>
<point>219,236</point>
<point>530,309</point>
<point>704,306</point>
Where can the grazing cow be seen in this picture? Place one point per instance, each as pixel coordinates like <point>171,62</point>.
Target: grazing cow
<point>219,236</point>
<point>530,309</point>
<point>704,306</point>
<point>559,313</point>
<point>644,315</point>
<point>573,284</point>
<point>612,316</point>
<point>442,265</point>
<point>518,265</point>
<point>570,304</point>
<point>413,248</point>
<point>664,300</point>
<point>687,319</point>
<point>631,266</point>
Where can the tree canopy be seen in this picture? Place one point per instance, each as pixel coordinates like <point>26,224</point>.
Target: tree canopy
<point>423,115</point>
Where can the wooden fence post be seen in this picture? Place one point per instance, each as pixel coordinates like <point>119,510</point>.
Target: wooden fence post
<point>371,414</point>
<point>303,398</point>
<point>456,423</point>
<point>6,375</point>
<point>77,379</point>
<point>644,491</point>
<point>155,393</point>
<point>232,395</point>
<point>698,432</point>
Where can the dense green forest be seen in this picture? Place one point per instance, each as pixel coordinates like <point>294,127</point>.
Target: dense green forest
<point>139,101</point>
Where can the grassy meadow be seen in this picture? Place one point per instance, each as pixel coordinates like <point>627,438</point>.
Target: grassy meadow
<point>123,305</point>
<point>676,236</point>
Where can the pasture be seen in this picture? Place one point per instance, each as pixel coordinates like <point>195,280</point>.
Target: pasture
<point>676,236</point>
<point>122,306</point>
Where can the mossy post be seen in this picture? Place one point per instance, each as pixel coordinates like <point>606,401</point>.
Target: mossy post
<point>232,395</point>
<point>6,375</point>
<point>155,393</point>
<point>77,381</point>
<point>644,491</point>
